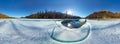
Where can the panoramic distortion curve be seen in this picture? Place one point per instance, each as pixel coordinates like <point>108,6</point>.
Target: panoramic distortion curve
<point>65,41</point>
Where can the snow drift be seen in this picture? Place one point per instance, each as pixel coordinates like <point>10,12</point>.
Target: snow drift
<point>37,31</point>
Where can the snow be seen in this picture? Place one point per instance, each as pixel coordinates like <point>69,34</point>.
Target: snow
<point>38,31</point>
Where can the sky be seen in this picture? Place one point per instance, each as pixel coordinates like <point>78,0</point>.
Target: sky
<point>83,8</point>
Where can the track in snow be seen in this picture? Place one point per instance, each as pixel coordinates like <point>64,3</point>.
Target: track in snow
<point>38,32</point>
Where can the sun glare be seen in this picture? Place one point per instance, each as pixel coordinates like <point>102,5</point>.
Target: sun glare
<point>69,12</point>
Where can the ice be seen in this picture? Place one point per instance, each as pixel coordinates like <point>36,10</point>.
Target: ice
<point>37,31</point>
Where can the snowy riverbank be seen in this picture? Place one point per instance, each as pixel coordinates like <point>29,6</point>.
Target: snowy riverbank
<point>37,32</point>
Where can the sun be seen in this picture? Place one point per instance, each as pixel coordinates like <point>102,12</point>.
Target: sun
<point>69,12</point>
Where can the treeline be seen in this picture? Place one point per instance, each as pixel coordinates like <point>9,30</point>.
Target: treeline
<point>104,14</point>
<point>51,15</point>
<point>2,16</point>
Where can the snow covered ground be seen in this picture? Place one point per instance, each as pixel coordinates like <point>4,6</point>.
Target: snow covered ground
<point>37,31</point>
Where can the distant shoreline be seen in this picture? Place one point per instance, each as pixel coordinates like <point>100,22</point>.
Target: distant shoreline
<point>55,19</point>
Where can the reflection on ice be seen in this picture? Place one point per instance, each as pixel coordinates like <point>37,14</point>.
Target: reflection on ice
<point>70,30</point>
<point>72,23</point>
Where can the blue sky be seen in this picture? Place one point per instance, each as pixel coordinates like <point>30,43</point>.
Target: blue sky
<point>18,8</point>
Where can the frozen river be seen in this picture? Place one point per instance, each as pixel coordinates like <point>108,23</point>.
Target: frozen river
<point>37,31</point>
